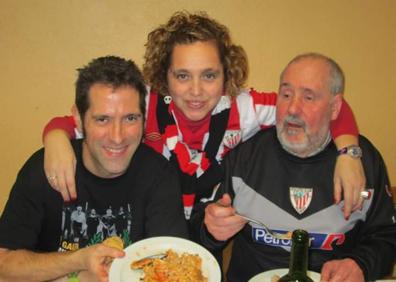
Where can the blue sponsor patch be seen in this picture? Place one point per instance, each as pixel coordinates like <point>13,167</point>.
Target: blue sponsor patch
<point>262,237</point>
<point>317,240</point>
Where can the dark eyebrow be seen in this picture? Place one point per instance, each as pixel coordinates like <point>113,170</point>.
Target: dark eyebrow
<point>211,71</point>
<point>137,115</point>
<point>100,116</point>
<point>185,70</point>
<point>177,70</point>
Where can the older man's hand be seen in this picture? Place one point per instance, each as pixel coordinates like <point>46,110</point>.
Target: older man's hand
<point>342,270</point>
<point>221,221</point>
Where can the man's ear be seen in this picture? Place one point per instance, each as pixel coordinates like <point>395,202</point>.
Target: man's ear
<point>336,105</point>
<point>77,118</point>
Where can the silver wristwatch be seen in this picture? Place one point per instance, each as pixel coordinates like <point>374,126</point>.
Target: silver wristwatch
<point>353,150</point>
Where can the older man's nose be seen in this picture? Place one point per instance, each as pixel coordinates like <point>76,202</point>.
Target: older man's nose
<point>295,105</point>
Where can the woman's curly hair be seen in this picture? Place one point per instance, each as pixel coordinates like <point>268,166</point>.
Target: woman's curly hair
<point>186,28</point>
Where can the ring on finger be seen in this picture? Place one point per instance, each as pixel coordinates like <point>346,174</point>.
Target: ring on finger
<point>365,194</point>
<point>51,177</point>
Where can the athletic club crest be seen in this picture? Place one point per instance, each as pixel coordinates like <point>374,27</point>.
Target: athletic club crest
<point>300,198</point>
<point>232,138</point>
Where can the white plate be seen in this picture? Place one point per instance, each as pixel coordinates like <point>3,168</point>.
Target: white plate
<point>267,275</point>
<point>120,270</point>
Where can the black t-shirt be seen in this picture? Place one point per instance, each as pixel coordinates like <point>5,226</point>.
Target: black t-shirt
<point>143,202</point>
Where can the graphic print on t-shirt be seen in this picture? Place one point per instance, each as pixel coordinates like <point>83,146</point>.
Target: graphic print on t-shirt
<point>83,225</point>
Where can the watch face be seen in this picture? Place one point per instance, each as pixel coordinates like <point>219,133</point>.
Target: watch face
<point>355,152</point>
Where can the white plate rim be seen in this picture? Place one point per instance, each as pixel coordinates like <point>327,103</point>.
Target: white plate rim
<point>120,270</point>
<point>280,271</point>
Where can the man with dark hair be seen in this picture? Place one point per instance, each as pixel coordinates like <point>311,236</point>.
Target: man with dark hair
<point>283,177</point>
<point>114,171</point>
<point>112,71</point>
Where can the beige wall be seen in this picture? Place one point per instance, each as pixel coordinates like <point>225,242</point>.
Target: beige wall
<point>43,42</point>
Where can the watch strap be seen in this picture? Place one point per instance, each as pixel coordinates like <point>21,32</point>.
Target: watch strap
<point>353,150</point>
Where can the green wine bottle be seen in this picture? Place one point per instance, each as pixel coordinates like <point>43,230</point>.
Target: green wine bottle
<point>298,258</point>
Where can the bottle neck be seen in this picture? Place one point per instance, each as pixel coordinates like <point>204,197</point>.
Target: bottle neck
<point>298,264</point>
<point>299,257</point>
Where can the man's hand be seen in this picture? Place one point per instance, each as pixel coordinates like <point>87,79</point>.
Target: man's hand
<point>97,260</point>
<point>221,221</point>
<point>342,270</point>
<point>91,262</point>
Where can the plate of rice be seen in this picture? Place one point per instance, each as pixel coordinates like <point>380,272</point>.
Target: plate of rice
<point>181,260</point>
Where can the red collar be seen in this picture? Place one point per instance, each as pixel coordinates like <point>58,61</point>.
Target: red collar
<point>193,132</point>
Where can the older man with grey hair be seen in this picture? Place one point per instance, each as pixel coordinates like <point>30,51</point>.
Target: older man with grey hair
<point>283,177</point>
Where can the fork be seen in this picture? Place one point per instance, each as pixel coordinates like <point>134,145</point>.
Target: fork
<point>138,264</point>
<point>280,236</point>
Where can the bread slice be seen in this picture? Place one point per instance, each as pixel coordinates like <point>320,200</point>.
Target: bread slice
<point>115,242</point>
